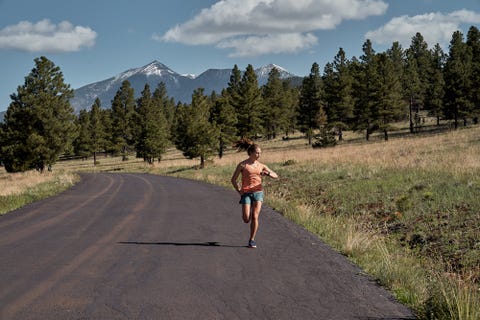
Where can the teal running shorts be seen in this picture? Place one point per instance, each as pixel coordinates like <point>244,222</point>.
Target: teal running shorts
<point>249,197</point>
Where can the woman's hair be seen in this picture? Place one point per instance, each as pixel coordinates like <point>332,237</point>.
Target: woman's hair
<point>246,144</point>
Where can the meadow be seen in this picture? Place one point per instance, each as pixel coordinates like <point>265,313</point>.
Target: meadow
<point>407,211</point>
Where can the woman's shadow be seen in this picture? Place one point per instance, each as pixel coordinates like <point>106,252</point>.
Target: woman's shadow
<point>181,244</point>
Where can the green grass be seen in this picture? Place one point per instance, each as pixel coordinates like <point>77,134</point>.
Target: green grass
<point>40,191</point>
<point>404,227</point>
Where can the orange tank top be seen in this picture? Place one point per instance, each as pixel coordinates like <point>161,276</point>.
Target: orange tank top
<point>251,178</point>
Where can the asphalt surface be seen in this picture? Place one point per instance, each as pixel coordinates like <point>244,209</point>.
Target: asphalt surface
<point>135,246</point>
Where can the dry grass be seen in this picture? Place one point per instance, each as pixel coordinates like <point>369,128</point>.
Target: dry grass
<point>421,153</point>
<point>452,152</point>
<point>17,183</point>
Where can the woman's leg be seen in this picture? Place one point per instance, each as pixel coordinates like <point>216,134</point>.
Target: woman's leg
<point>246,213</point>
<point>256,207</point>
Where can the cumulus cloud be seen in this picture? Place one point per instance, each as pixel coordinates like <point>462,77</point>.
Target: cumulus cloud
<point>277,43</point>
<point>255,27</point>
<point>44,36</point>
<point>434,27</point>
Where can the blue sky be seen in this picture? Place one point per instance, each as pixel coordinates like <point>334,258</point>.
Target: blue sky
<point>92,40</point>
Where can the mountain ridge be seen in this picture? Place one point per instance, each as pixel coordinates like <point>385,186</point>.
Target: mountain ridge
<point>180,87</point>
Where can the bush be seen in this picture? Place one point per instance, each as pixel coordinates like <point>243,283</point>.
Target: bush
<point>325,139</point>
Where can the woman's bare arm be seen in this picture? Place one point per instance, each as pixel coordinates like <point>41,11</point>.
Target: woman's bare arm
<point>235,175</point>
<point>269,172</point>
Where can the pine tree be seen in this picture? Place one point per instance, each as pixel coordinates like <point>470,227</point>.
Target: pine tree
<point>223,116</point>
<point>274,115</point>
<point>436,90</point>
<point>366,79</point>
<point>342,106</point>
<point>97,129</point>
<point>397,56</point>
<point>473,42</point>
<point>311,113</point>
<point>249,105</point>
<point>160,96</point>
<point>457,80</point>
<point>389,97</point>
<point>123,116</point>
<point>39,123</point>
<point>83,143</point>
<point>152,139</point>
<point>289,109</point>
<point>195,136</point>
<point>412,87</point>
<point>106,116</point>
<point>329,86</point>
<point>233,87</point>
<point>421,54</point>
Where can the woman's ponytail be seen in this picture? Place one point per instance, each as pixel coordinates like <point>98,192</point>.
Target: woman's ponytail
<point>245,144</point>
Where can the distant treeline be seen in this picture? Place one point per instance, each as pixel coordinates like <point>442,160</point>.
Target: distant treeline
<point>366,94</point>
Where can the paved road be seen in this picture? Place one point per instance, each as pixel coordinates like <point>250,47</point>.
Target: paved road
<point>134,246</point>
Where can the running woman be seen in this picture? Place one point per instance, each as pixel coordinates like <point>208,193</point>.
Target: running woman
<point>251,190</point>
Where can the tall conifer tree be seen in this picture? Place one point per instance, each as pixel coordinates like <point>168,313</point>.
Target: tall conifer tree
<point>420,53</point>
<point>82,145</point>
<point>39,123</point>
<point>473,42</point>
<point>311,113</point>
<point>249,105</point>
<point>343,103</point>
<point>389,94</point>
<point>97,129</point>
<point>366,95</point>
<point>275,105</point>
<point>457,80</point>
<point>152,139</point>
<point>195,135</point>
<point>123,116</point>
<point>436,89</point>
<point>223,116</point>
<point>412,87</point>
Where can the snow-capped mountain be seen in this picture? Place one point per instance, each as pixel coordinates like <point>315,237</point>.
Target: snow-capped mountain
<point>263,72</point>
<point>180,87</point>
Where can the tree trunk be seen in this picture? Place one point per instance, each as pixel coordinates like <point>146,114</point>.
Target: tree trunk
<point>202,162</point>
<point>309,135</point>
<point>220,149</point>
<point>456,118</point>
<point>411,114</point>
<point>94,158</point>
<point>385,133</point>
<point>368,131</point>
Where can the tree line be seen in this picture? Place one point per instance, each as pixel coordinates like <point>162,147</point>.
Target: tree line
<point>366,94</point>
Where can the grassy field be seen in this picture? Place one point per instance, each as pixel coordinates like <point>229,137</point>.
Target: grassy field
<point>19,189</point>
<point>407,211</point>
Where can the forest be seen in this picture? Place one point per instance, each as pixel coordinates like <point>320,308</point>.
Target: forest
<point>368,94</point>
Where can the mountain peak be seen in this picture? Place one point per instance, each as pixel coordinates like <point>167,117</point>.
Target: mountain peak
<point>264,71</point>
<point>272,65</point>
<point>154,68</point>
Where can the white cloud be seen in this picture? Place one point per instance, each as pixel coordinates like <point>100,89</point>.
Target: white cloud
<point>278,43</point>
<point>253,27</point>
<point>45,36</point>
<point>434,27</point>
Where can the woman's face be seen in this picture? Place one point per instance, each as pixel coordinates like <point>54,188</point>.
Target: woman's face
<point>256,154</point>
